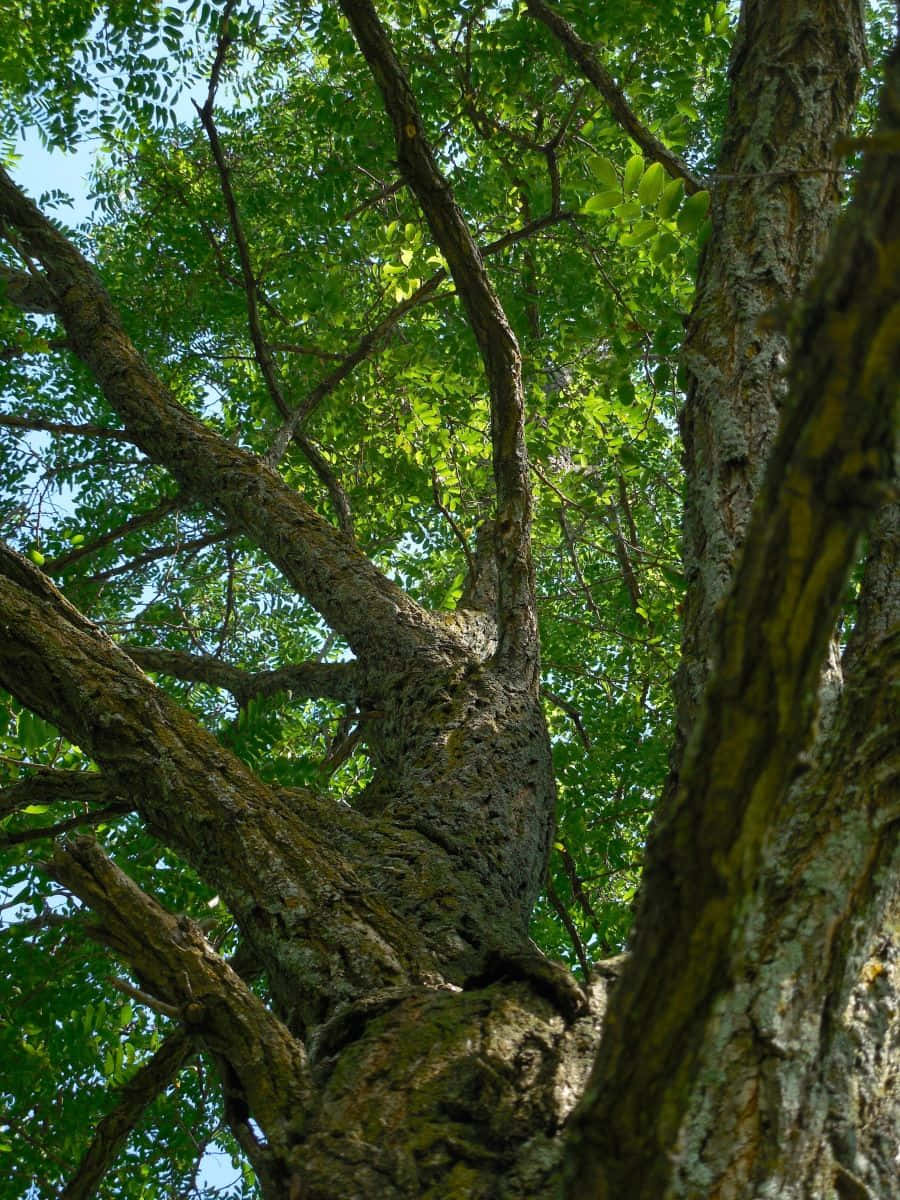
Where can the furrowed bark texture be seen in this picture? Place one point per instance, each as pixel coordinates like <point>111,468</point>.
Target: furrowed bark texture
<point>349,913</point>
<point>775,871</point>
<point>795,74</point>
<point>417,1047</point>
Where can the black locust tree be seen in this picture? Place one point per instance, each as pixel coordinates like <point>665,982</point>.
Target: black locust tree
<point>340,525</point>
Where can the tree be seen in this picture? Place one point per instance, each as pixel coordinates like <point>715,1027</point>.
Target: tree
<point>360,390</point>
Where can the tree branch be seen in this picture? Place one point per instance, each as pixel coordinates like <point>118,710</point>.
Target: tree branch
<point>50,786</point>
<point>39,424</point>
<point>273,855</point>
<point>135,1097</point>
<point>18,837</point>
<point>141,521</point>
<point>354,597</point>
<point>28,292</point>
<point>518,641</point>
<point>585,57</point>
<point>370,341</point>
<point>158,552</point>
<point>261,349</point>
<point>175,961</point>
<point>306,681</point>
<point>828,474</point>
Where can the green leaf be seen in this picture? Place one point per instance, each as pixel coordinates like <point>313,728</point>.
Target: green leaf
<point>664,246</point>
<point>634,169</point>
<point>604,172</point>
<point>641,232</point>
<point>670,199</point>
<point>602,202</point>
<point>651,185</point>
<point>693,212</point>
<point>36,557</point>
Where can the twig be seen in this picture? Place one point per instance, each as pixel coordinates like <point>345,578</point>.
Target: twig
<point>160,1006</point>
<point>17,837</point>
<point>585,57</point>
<point>563,913</point>
<point>261,348</point>
<point>170,504</point>
<point>571,711</point>
<point>141,560</point>
<point>40,425</point>
<point>369,342</point>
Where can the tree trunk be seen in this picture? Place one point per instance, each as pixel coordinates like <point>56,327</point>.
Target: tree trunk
<point>417,1045</point>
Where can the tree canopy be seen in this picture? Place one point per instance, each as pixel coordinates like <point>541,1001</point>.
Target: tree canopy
<point>412,293</point>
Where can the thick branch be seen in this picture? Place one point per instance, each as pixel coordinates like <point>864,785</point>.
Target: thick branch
<point>827,476</point>
<point>28,292</point>
<point>771,227</point>
<point>48,786</point>
<point>174,961</point>
<point>261,849</point>
<point>585,57</point>
<point>358,601</point>
<point>135,1097</point>
<point>518,644</point>
<point>305,681</point>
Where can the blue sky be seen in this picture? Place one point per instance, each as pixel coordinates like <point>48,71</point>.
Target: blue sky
<point>40,170</point>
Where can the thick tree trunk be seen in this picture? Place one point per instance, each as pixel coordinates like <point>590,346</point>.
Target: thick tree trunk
<point>776,865</point>
<point>795,78</point>
<point>417,1045</point>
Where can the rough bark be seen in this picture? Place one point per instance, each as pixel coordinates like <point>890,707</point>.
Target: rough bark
<point>795,76</point>
<point>416,1045</point>
<point>733,1097</point>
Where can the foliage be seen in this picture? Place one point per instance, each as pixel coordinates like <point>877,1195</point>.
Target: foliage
<point>597,297</point>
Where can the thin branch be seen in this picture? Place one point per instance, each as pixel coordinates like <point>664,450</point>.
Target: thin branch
<point>370,342</point>
<point>326,475</point>
<point>578,891</point>
<point>40,424</point>
<point>452,522</point>
<point>165,1010</point>
<point>585,57</point>
<point>141,521</point>
<point>158,552</point>
<point>261,348</point>
<point>563,913</point>
<point>229,616</point>
<point>518,641</point>
<point>135,1097</point>
<point>19,836</point>
<point>571,711</point>
<point>361,351</point>
<point>306,681</point>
